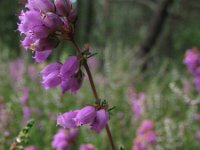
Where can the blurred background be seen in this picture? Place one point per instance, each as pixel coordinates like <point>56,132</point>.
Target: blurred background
<point>140,45</point>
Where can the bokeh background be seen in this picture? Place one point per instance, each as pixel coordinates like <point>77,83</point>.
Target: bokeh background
<point>140,45</point>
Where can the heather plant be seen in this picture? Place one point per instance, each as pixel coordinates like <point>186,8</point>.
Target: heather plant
<point>44,25</point>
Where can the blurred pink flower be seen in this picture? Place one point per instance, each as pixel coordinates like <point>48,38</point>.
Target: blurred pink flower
<point>192,60</point>
<point>196,116</point>
<point>25,95</point>
<point>145,136</point>
<point>136,101</point>
<point>26,114</point>
<point>198,135</point>
<point>87,147</point>
<point>16,69</point>
<point>31,148</point>
<point>63,138</point>
<point>145,126</point>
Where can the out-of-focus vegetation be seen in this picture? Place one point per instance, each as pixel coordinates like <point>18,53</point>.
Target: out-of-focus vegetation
<point>114,28</point>
<point>167,92</point>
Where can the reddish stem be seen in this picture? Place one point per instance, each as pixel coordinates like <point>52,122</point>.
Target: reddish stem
<point>94,91</point>
<point>91,82</point>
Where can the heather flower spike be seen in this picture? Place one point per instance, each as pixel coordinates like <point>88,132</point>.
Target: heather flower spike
<point>85,115</point>
<point>100,121</point>
<point>66,120</point>
<point>44,24</point>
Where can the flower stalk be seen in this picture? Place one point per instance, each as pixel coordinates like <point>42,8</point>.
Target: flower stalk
<point>94,91</point>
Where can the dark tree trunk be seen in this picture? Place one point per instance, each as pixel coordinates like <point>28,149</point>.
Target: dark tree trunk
<point>90,20</point>
<point>155,28</point>
<point>106,14</point>
<point>80,12</point>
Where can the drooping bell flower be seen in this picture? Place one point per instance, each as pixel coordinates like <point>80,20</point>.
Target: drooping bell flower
<point>50,75</point>
<point>66,120</point>
<point>100,121</point>
<point>69,67</point>
<point>72,84</point>
<point>53,21</point>
<point>87,147</point>
<point>72,78</point>
<point>85,115</point>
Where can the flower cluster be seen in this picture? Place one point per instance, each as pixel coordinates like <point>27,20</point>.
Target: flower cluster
<point>63,138</point>
<point>44,23</point>
<point>87,147</point>
<point>68,75</point>
<point>192,61</point>
<point>97,119</point>
<point>145,136</point>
